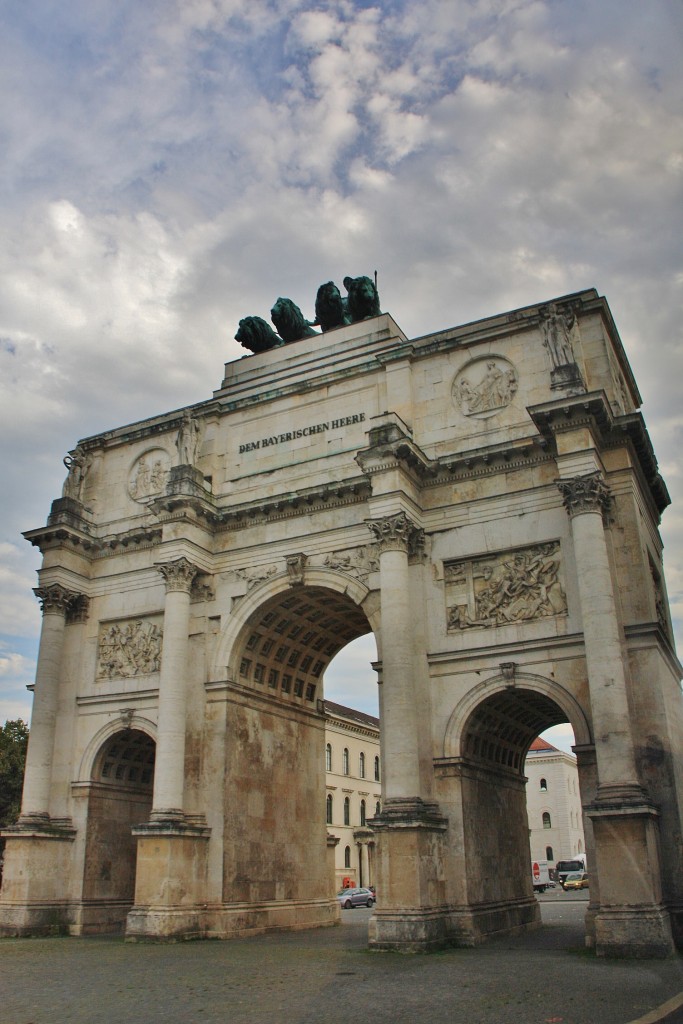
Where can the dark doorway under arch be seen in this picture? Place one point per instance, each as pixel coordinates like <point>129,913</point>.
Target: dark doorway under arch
<point>120,796</point>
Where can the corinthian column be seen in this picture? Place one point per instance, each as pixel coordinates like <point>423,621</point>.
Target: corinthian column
<point>396,536</point>
<point>587,500</point>
<point>55,602</point>
<point>169,770</point>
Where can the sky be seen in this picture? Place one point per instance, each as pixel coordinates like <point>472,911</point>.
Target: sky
<point>171,167</point>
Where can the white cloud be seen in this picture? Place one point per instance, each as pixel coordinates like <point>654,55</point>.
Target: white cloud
<point>168,176</point>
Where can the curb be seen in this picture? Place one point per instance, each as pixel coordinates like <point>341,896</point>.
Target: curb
<point>660,1013</point>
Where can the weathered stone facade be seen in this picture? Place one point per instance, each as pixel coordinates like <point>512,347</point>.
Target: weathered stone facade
<point>486,500</point>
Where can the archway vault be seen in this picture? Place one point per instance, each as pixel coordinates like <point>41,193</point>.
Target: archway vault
<point>282,637</point>
<point>496,721</point>
<point>130,721</point>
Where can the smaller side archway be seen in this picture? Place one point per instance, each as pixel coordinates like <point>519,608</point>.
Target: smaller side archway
<point>482,790</point>
<point>120,789</point>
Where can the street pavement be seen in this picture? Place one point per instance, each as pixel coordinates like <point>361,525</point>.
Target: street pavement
<point>328,976</point>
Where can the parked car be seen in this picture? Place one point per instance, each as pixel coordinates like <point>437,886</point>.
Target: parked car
<point>355,898</point>
<point>576,880</point>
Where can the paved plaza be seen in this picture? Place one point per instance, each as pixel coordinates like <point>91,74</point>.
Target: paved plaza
<point>328,976</point>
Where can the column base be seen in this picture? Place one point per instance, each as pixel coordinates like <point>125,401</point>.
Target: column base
<point>34,898</point>
<point>229,921</point>
<point>675,911</point>
<point>630,920</point>
<point>409,931</point>
<point>170,879</point>
<point>634,932</point>
<point>412,915</point>
<point>474,925</point>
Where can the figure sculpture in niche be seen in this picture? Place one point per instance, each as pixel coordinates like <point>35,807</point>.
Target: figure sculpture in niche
<point>330,308</point>
<point>187,441</point>
<point>560,328</point>
<point>77,465</point>
<point>290,322</point>
<point>257,335</point>
<point>363,300</point>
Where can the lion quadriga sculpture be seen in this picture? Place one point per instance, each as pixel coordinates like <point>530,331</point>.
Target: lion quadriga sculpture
<point>257,335</point>
<point>290,322</point>
<point>363,300</point>
<point>330,308</point>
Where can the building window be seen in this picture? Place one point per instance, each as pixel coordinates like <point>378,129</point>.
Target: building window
<point>347,811</point>
<point>328,815</point>
<point>544,786</point>
<point>549,853</point>
<point>328,757</point>
<point>361,765</point>
<point>362,812</point>
<point>347,857</point>
<point>377,807</point>
<point>546,820</point>
<point>345,761</point>
<point>376,769</point>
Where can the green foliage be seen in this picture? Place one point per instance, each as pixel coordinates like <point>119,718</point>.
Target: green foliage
<point>13,742</point>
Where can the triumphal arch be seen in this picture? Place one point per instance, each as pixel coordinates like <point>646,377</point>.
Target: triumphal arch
<point>486,501</point>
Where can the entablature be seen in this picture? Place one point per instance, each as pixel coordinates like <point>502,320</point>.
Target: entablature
<point>593,411</point>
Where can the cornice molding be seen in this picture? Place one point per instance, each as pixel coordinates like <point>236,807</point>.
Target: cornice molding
<point>594,411</point>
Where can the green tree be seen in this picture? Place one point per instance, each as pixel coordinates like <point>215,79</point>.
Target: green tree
<point>13,743</point>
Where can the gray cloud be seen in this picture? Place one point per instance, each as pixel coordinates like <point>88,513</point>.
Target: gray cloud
<point>174,167</point>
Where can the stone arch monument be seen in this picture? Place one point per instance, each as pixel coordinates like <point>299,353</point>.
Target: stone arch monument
<point>486,501</point>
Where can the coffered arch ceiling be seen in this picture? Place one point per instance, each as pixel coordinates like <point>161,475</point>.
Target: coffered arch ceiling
<point>287,643</point>
<point>500,730</point>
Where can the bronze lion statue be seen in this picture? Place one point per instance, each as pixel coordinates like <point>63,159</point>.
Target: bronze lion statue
<point>330,308</point>
<point>257,335</point>
<point>363,300</point>
<point>290,322</point>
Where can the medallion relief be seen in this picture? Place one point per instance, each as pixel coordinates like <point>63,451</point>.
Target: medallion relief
<point>514,586</point>
<point>129,648</point>
<point>484,386</point>
<point>148,475</point>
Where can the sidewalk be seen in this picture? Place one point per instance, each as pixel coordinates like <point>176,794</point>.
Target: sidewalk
<point>329,976</point>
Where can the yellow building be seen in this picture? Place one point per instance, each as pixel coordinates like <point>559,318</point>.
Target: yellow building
<point>352,776</point>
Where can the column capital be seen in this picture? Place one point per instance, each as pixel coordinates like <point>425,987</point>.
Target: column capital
<point>178,574</point>
<point>397,533</point>
<point>587,493</point>
<point>56,598</point>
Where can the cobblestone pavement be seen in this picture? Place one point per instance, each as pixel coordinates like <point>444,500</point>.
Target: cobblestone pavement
<point>329,976</point>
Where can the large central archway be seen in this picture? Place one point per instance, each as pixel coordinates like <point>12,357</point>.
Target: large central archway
<point>278,866</point>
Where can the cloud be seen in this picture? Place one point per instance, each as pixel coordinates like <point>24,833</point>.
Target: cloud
<point>168,175</point>
<point>17,671</point>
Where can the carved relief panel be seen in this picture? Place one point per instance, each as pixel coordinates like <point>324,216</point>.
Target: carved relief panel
<point>129,648</point>
<point>358,562</point>
<point>513,586</point>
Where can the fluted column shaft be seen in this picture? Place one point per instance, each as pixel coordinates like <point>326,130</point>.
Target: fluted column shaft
<point>587,500</point>
<point>55,602</point>
<point>395,535</point>
<point>169,770</point>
